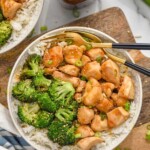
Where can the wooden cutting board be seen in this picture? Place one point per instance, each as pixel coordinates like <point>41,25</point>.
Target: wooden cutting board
<point>113,22</point>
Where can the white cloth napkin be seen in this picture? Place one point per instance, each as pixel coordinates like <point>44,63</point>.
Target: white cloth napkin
<point>6,122</point>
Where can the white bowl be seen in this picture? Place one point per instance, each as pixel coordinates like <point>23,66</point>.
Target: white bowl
<point>121,132</point>
<point>25,29</point>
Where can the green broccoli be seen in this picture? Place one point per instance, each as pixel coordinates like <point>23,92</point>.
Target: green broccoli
<point>41,83</point>
<point>65,115</point>
<point>27,112</point>
<point>1,16</point>
<point>68,113</point>
<point>62,133</point>
<point>32,115</point>
<point>46,103</point>
<point>24,91</point>
<point>5,32</point>
<point>61,91</point>
<point>32,67</point>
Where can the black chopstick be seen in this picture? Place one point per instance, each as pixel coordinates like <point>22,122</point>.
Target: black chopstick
<point>142,46</point>
<point>137,68</point>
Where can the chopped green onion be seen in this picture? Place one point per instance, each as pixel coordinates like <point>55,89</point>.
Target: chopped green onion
<point>126,149</point>
<point>9,69</point>
<point>83,78</point>
<point>87,39</point>
<point>78,63</point>
<point>148,127</point>
<point>50,62</point>
<point>31,33</point>
<point>88,46</point>
<point>127,106</point>
<point>117,148</point>
<point>79,100</point>
<point>43,28</point>
<point>78,135</point>
<point>147,137</point>
<point>147,2</point>
<point>99,59</point>
<point>76,13</point>
<point>69,41</point>
<point>103,116</point>
<point>90,107</point>
<point>97,134</point>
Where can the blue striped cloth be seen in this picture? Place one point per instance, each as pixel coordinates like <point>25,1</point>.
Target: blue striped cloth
<point>13,142</point>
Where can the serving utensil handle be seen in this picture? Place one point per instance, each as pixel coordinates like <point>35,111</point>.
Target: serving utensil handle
<point>143,46</point>
<point>138,68</point>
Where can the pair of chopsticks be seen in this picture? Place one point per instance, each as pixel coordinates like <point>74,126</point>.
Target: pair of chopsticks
<point>143,46</point>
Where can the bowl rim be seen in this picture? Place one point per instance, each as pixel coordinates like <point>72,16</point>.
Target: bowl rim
<point>27,32</point>
<point>72,28</point>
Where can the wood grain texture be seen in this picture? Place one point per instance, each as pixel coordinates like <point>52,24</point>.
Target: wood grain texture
<point>111,21</point>
<point>136,139</point>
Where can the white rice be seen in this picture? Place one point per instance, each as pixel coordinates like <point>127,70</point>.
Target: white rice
<point>23,23</point>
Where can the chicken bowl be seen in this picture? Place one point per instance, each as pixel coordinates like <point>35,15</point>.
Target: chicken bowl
<point>17,20</point>
<point>65,94</point>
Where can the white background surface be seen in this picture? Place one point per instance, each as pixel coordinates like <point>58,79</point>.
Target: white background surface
<point>137,13</point>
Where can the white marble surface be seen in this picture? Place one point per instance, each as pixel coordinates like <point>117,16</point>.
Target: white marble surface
<point>137,13</point>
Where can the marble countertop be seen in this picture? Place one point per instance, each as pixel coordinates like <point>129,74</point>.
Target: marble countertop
<point>136,11</point>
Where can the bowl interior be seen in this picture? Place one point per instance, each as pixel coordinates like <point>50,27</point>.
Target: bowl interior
<point>120,132</point>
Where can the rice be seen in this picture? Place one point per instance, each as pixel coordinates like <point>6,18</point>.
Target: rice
<point>23,23</point>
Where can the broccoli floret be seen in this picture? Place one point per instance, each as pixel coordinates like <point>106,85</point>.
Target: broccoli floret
<point>46,103</point>
<point>32,67</point>
<point>1,16</point>
<point>32,115</point>
<point>41,83</point>
<point>27,112</point>
<point>5,32</point>
<point>42,119</point>
<point>69,113</point>
<point>61,92</point>
<point>24,91</point>
<point>62,133</point>
<point>65,115</point>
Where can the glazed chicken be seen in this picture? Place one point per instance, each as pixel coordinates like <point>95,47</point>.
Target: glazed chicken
<point>81,86</point>
<point>85,115</point>
<point>101,90</point>
<point>53,57</point>
<point>110,72</point>
<point>119,101</point>
<point>127,88</point>
<point>95,53</point>
<point>70,70</point>
<point>107,88</point>
<point>105,105</point>
<point>117,116</point>
<point>93,93</point>
<point>85,59</point>
<point>98,124</point>
<point>85,131</point>
<point>92,69</point>
<point>9,8</point>
<point>89,142</point>
<point>72,54</point>
<point>78,97</point>
<point>59,75</point>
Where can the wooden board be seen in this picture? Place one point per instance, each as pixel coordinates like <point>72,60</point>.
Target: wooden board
<point>113,22</point>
